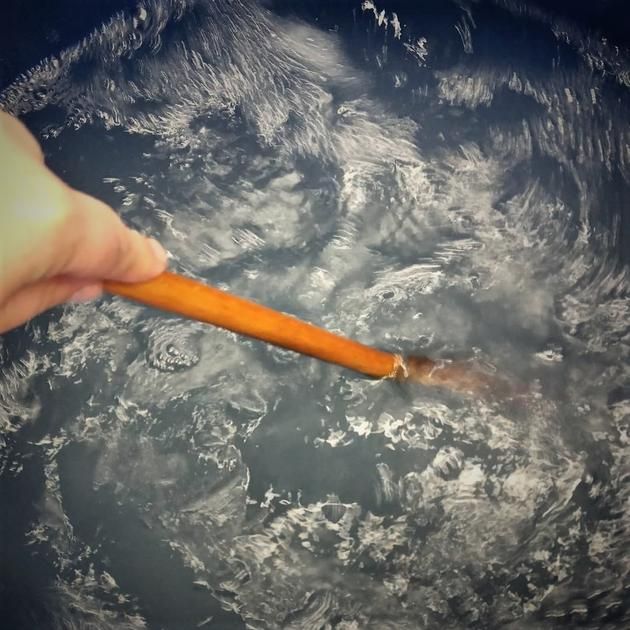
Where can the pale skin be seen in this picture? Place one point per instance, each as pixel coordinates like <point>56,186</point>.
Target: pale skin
<point>56,243</point>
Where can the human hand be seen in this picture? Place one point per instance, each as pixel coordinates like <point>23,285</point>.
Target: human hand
<point>56,243</point>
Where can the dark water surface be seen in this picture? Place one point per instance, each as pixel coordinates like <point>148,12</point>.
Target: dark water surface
<point>444,178</point>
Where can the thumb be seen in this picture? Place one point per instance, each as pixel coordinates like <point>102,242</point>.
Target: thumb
<point>102,247</point>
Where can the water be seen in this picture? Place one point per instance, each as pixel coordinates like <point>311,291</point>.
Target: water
<point>450,179</point>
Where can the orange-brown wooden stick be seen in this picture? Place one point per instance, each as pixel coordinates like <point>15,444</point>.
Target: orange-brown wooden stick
<point>193,299</point>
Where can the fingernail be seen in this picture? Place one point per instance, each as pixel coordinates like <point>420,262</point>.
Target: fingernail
<point>158,251</point>
<point>87,293</point>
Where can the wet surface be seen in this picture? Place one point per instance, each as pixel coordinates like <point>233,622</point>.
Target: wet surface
<point>451,180</point>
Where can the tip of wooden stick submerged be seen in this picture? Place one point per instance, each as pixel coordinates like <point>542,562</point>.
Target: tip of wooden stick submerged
<point>459,376</point>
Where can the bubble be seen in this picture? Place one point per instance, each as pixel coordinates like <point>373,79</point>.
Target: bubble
<point>172,348</point>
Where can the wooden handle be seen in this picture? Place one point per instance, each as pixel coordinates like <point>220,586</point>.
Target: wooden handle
<point>192,299</point>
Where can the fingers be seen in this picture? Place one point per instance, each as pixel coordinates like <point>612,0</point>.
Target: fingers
<point>36,298</point>
<point>103,248</point>
<point>55,240</point>
<point>51,229</point>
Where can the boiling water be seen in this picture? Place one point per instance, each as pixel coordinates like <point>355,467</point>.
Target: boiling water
<point>449,180</point>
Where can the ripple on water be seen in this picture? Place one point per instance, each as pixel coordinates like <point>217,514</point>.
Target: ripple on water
<point>173,346</point>
<point>483,514</point>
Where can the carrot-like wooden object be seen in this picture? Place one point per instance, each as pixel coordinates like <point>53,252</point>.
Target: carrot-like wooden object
<point>195,300</point>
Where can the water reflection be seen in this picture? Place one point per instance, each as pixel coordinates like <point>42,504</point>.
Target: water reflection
<point>421,180</point>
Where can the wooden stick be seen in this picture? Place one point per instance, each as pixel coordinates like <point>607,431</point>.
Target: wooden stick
<point>195,300</point>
